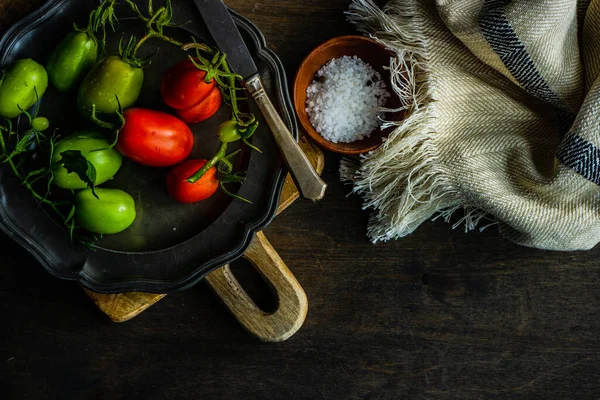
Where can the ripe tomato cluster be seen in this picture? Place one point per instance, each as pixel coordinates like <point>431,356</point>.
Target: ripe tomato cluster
<point>159,139</point>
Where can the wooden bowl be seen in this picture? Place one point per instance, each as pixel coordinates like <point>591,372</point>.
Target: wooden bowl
<point>370,52</point>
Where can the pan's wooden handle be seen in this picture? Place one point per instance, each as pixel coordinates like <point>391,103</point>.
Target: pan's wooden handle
<point>292,301</point>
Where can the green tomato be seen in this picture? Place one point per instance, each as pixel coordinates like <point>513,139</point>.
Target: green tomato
<point>228,132</point>
<point>106,161</point>
<point>74,56</point>
<point>40,124</point>
<point>110,78</point>
<point>19,87</point>
<point>112,212</point>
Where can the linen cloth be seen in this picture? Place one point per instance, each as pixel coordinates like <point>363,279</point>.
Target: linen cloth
<point>503,119</point>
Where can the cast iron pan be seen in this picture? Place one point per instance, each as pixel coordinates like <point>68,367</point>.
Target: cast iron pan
<point>170,246</point>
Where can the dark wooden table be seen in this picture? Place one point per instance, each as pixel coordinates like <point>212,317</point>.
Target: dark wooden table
<point>439,314</point>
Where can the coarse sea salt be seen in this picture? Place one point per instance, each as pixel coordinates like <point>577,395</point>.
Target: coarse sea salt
<point>343,103</point>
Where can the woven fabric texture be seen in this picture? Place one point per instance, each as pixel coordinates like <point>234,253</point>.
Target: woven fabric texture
<point>503,119</point>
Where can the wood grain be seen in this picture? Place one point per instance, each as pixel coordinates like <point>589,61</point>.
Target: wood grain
<point>124,306</point>
<point>292,304</point>
<point>440,314</point>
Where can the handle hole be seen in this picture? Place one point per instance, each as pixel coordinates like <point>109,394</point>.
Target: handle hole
<point>255,285</point>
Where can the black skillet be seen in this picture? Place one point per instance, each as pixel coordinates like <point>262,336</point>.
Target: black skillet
<point>170,246</point>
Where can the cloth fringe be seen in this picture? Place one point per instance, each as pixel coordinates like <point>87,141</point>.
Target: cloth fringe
<point>402,180</point>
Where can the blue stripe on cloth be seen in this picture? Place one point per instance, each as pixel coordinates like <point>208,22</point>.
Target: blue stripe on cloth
<point>504,41</point>
<point>574,151</point>
<point>581,156</point>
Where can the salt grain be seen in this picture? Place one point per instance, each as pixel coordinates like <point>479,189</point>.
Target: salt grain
<point>343,102</point>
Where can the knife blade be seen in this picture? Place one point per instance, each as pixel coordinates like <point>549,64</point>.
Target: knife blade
<point>228,39</point>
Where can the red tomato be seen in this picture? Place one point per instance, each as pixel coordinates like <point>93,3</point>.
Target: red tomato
<point>183,191</point>
<point>154,138</point>
<point>183,85</point>
<point>203,110</point>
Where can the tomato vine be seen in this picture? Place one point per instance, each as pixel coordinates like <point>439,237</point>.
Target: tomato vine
<point>207,59</point>
<point>21,147</point>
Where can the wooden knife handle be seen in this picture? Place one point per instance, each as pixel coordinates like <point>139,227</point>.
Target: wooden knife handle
<point>309,183</point>
<point>292,301</point>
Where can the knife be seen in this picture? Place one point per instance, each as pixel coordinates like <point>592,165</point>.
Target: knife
<point>229,41</point>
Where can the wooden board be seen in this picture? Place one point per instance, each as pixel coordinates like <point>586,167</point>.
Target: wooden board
<point>439,314</point>
<point>125,306</point>
<point>292,303</point>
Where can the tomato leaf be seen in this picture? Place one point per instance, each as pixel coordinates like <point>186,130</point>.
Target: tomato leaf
<point>74,161</point>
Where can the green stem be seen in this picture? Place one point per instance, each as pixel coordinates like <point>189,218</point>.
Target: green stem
<point>221,153</point>
<point>18,175</point>
<point>235,196</point>
<point>99,122</point>
<point>253,147</point>
<point>10,157</point>
<point>115,127</point>
<point>157,35</point>
<point>35,194</point>
<point>38,178</point>
<point>136,10</point>
<point>198,46</point>
<point>2,144</point>
<point>231,86</point>
<point>168,39</point>
<point>233,154</point>
<point>36,172</point>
